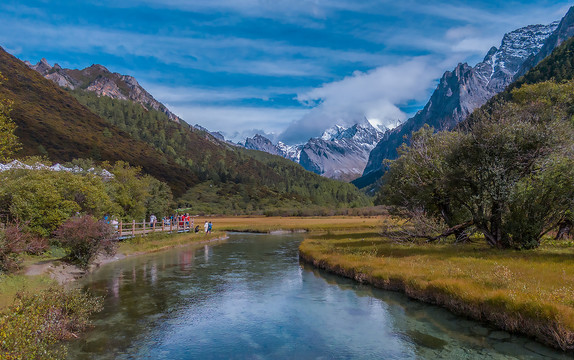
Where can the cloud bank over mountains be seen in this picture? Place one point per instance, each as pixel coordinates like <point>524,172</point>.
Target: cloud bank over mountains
<point>376,95</point>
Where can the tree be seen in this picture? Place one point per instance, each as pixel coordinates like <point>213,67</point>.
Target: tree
<point>503,173</point>
<point>46,198</point>
<point>508,174</point>
<point>9,143</point>
<point>417,182</point>
<point>138,195</point>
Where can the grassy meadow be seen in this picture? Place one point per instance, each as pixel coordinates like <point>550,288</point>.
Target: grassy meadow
<point>530,292</point>
<point>262,224</point>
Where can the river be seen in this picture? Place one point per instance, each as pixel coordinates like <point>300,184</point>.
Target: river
<point>249,298</point>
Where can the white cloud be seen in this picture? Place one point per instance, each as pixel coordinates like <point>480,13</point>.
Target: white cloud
<point>511,18</point>
<point>376,94</point>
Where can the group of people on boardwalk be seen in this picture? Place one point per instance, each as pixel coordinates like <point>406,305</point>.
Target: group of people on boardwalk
<point>183,221</point>
<point>174,223</point>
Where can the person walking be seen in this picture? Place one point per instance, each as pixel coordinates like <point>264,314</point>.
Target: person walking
<point>205,227</point>
<point>209,226</point>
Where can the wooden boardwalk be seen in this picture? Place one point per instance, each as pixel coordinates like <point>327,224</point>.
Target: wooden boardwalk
<point>129,230</point>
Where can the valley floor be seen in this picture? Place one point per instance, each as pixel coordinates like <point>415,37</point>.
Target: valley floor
<point>529,292</point>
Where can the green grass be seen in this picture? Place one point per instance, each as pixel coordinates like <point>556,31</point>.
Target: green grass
<point>524,291</point>
<point>10,285</point>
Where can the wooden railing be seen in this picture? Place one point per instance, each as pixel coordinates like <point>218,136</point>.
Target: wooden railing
<point>131,229</point>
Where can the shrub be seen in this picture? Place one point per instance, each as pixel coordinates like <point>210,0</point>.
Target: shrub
<point>84,237</point>
<point>14,240</point>
<point>24,240</point>
<point>8,258</point>
<point>33,327</point>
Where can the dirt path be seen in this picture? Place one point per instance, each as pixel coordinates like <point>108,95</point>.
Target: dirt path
<point>65,273</point>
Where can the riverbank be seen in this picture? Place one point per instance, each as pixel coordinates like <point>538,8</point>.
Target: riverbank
<point>43,272</point>
<point>39,273</point>
<point>527,292</point>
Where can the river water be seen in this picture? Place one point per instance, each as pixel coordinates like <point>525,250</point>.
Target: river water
<point>250,298</point>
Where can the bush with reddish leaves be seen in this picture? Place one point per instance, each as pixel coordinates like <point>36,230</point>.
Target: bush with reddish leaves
<point>15,240</point>
<point>85,237</point>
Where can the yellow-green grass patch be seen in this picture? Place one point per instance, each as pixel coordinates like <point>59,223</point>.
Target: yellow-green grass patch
<point>162,241</point>
<point>10,285</point>
<point>264,224</point>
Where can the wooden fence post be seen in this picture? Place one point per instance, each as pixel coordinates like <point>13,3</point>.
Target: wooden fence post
<point>163,225</point>
<point>121,228</point>
<point>133,228</point>
<point>171,225</point>
<point>143,226</point>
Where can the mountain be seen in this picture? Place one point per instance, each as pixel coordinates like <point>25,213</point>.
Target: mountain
<point>340,153</point>
<point>103,82</point>
<point>557,67</point>
<point>215,134</point>
<point>564,32</point>
<point>464,89</point>
<point>261,143</point>
<point>205,174</point>
<point>52,123</point>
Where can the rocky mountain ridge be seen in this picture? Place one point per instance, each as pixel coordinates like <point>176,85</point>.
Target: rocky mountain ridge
<point>563,32</point>
<point>103,82</point>
<point>462,90</point>
<point>340,153</point>
<point>261,143</point>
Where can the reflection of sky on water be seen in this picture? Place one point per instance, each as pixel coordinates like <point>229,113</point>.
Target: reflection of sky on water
<point>250,298</point>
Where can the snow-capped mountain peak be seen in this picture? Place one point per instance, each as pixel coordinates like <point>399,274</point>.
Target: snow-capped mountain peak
<point>332,133</point>
<point>341,152</point>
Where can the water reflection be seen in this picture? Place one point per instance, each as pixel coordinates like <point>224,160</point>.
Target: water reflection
<point>250,298</point>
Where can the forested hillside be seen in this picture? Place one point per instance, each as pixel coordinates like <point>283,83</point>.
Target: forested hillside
<point>204,173</point>
<point>229,178</point>
<point>53,124</point>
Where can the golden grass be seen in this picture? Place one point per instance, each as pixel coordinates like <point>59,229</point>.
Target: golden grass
<point>524,291</point>
<point>311,224</point>
<point>163,241</point>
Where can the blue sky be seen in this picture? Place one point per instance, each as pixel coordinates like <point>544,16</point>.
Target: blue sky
<point>286,68</point>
